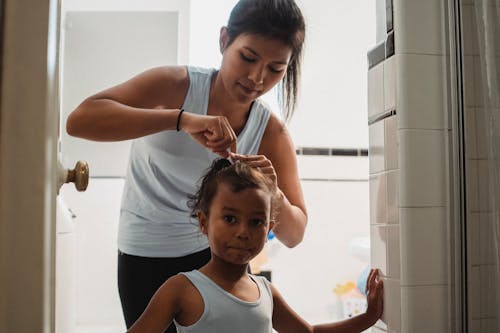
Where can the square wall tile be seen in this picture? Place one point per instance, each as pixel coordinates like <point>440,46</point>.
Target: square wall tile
<point>470,133</point>
<point>424,309</point>
<point>392,305</point>
<point>378,199</point>
<point>393,252</point>
<point>376,150</point>
<point>378,248</point>
<point>419,26</point>
<point>481,130</point>
<point>421,92</point>
<point>392,210</point>
<point>474,326</point>
<point>474,30</point>
<point>486,239</point>
<point>375,90</point>
<point>474,293</point>
<point>472,185</point>
<point>489,325</point>
<point>469,34</point>
<point>423,180</point>
<point>423,246</point>
<point>484,195</point>
<point>469,77</point>
<point>478,83</point>
<point>390,83</point>
<point>473,238</point>
<point>391,142</point>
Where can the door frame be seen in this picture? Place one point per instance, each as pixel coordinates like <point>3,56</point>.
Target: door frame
<point>28,170</point>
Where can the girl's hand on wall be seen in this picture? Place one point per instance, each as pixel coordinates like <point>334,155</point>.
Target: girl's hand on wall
<point>212,132</point>
<point>261,162</point>
<point>375,295</point>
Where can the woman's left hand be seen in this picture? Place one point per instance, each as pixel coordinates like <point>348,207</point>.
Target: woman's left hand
<point>258,161</point>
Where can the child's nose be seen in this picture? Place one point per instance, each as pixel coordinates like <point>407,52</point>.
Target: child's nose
<point>243,232</point>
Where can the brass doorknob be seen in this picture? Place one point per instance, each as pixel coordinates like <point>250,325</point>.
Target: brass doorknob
<point>79,175</point>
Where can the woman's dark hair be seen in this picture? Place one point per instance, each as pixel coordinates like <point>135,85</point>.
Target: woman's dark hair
<point>278,19</point>
<point>237,176</point>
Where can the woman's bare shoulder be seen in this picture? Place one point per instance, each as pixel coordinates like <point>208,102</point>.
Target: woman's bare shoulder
<point>275,135</point>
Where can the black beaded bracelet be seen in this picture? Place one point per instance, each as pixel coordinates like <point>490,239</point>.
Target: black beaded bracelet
<point>179,120</point>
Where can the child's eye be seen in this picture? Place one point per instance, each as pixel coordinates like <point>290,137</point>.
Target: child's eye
<point>258,222</point>
<point>230,219</point>
<point>247,59</point>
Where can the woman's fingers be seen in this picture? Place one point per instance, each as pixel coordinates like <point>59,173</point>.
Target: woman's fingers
<point>213,132</point>
<point>260,162</point>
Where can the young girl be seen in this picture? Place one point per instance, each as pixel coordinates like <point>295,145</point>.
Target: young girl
<point>180,119</point>
<point>235,205</point>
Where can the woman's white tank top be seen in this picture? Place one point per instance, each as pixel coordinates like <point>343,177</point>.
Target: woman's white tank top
<point>164,168</point>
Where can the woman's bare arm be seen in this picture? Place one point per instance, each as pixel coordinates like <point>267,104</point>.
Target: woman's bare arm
<point>147,103</point>
<point>278,147</point>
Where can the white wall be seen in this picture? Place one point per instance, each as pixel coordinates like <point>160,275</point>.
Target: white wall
<point>333,108</point>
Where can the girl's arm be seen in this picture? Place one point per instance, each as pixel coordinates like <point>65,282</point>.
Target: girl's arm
<point>162,309</point>
<point>285,319</point>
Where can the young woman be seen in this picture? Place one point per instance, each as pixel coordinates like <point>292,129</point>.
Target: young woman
<point>235,205</point>
<point>181,118</point>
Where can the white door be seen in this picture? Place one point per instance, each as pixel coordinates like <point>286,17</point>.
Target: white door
<point>28,168</point>
<point>29,129</point>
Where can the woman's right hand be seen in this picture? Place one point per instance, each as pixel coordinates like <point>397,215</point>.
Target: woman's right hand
<point>213,132</point>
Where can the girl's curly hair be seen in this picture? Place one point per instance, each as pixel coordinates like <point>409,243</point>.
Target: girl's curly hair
<point>238,176</point>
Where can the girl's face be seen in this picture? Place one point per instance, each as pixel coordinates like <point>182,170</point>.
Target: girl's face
<point>252,65</point>
<point>237,224</point>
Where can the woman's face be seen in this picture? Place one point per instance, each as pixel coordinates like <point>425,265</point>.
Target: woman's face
<point>252,65</point>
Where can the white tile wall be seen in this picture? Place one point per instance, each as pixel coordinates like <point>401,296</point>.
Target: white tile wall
<point>378,248</point>
<point>376,90</point>
<point>423,174</point>
<point>420,99</point>
<point>378,198</point>
<point>480,134</point>
<point>489,325</point>
<point>392,200</point>
<point>412,231</point>
<point>391,143</point>
<point>424,309</point>
<point>418,26</point>
<point>481,278</point>
<point>392,303</point>
<point>487,276</point>
<point>424,254</point>
<point>470,133</point>
<point>377,147</point>
<point>474,293</point>
<point>394,255</point>
<point>473,240</point>
<point>390,83</point>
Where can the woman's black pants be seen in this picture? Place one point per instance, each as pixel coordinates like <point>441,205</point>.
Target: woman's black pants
<point>140,277</point>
